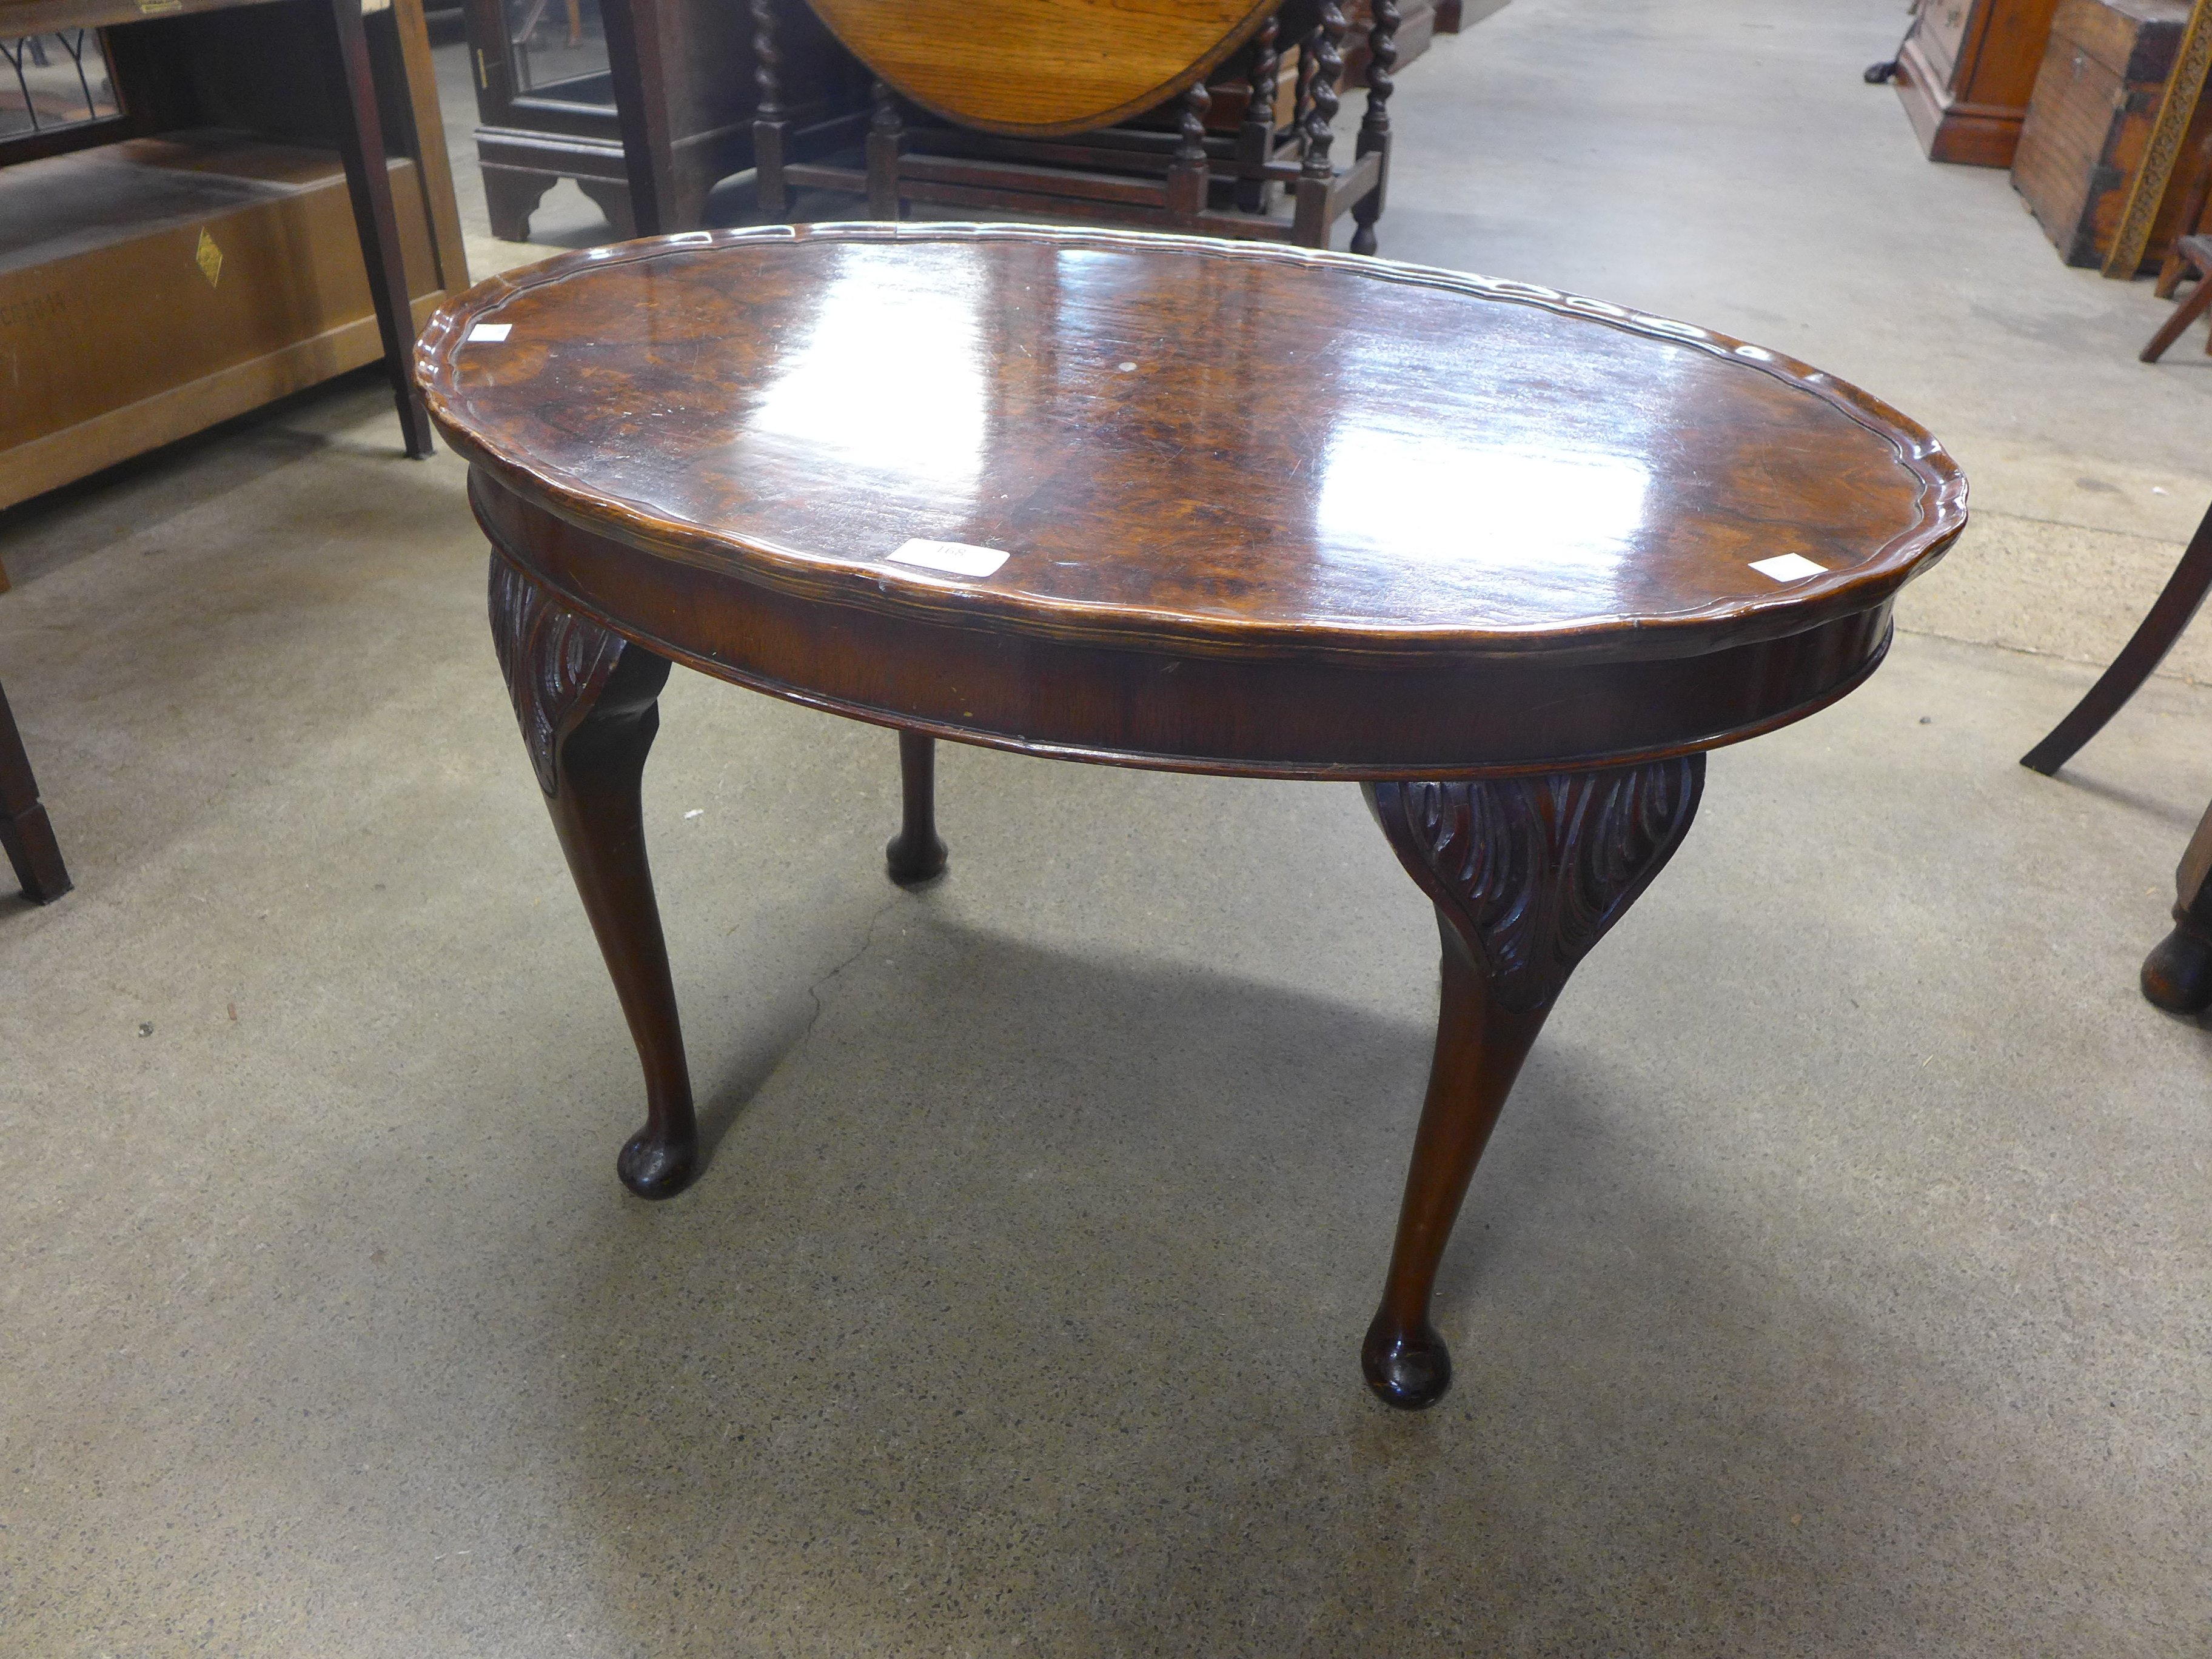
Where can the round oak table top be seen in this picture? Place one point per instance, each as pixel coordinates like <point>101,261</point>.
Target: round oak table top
<point>1169,501</point>
<point>1042,66</point>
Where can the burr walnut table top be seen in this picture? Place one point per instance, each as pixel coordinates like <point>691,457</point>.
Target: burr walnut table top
<point>1382,521</point>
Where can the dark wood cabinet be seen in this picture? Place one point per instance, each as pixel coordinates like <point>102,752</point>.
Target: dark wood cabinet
<point>545,94</point>
<point>1966,73</point>
<point>554,76</point>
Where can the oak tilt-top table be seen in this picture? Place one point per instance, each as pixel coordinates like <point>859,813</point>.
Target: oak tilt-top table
<point>1511,560</point>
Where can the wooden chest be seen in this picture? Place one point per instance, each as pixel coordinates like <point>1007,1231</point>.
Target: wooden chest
<point>2090,120</point>
<point>152,288</point>
<point>1964,73</point>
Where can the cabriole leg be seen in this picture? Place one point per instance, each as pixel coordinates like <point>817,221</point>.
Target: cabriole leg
<point>586,703</point>
<point>1527,874</point>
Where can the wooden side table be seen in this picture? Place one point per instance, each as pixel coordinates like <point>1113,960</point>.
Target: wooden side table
<point>1510,560</point>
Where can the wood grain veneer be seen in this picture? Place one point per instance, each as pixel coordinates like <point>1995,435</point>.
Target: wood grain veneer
<point>1486,547</point>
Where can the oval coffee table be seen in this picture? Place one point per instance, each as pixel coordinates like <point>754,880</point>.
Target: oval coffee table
<point>1510,559</point>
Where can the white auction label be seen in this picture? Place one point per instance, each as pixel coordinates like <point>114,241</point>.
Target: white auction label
<point>957,558</point>
<point>490,333</point>
<point>1789,567</point>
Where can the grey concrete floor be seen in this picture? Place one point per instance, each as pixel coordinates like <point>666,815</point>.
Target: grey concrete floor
<point>1836,1283</point>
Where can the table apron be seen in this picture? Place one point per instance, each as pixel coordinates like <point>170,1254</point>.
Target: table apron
<point>1284,715</point>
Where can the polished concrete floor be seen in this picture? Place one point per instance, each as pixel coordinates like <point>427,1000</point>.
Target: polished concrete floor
<point>1837,1283</point>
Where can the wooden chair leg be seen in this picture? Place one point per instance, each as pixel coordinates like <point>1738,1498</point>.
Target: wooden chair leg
<point>885,144</point>
<point>2183,314</point>
<point>1190,172</point>
<point>25,834</point>
<point>1316,189</point>
<point>2189,221</point>
<point>915,855</point>
<point>771,120</point>
<point>2177,975</point>
<point>1527,874</point>
<point>1374,125</point>
<point>586,703</point>
<point>352,91</point>
<point>2170,613</point>
<point>1255,137</point>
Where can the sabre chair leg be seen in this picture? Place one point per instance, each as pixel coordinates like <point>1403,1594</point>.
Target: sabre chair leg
<point>1527,874</point>
<point>25,833</point>
<point>2177,324</point>
<point>2169,614</point>
<point>586,703</point>
<point>2177,975</point>
<point>2189,310</point>
<point>915,855</point>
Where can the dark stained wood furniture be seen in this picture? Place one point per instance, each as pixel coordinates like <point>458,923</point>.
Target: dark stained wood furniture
<point>1095,109</point>
<point>2177,603</point>
<point>1416,28</point>
<point>1966,73</point>
<point>2189,256</point>
<point>2177,975</point>
<point>2193,255</point>
<point>1510,560</point>
<point>296,70</point>
<point>25,833</point>
<point>653,104</point>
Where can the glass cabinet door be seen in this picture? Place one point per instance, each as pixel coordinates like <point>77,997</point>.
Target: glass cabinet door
<point>60,79</point>
<point>558,51</point>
